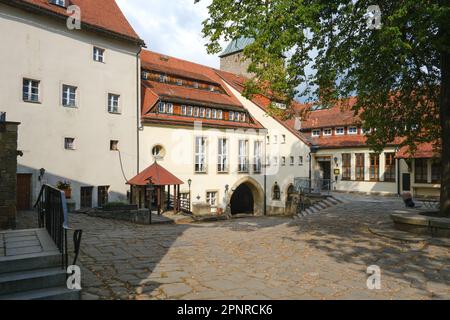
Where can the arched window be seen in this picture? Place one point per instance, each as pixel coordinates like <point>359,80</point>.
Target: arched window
<point>276,192</point>
<point>290,191</point>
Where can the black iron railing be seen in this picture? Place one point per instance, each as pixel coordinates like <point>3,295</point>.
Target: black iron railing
<point>53,216</point>
<point>316,186</point>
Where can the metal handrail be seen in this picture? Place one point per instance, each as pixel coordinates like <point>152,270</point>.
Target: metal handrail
<point>52,211</point>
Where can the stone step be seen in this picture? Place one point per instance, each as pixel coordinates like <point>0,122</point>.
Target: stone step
<point>328,203</point>
<point>54,293</point>
<point>321,205</point>
<point>31,280</point>
<point>316,208</point>
<point>30,262</point>
<point>333,200</point>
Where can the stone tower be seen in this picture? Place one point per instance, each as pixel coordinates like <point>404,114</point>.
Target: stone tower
<point>232,58</point>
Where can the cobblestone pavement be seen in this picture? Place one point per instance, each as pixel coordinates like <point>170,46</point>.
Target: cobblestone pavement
<point>324,256</point>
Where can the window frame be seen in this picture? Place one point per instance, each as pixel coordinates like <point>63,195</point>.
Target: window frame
<point>390,167</point>
<point>257,156</point>
<point>200,154</point>
<point>336,131</point>
<point>360,169</point>
<point>325,132</point>
<point>374,167</point>
<point>222,155</point>
<point>243,161</point>
<point>352,133</point>
<point>316,133</point>
<point>26,96</point>
<point>72,143</point>
<point>110,110</point>
<point>346,166</point>
<point>421,176</point>
<point>98,57</point>
<point>66,97</point>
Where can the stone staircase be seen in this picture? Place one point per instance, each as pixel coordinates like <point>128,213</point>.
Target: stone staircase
<point>30,268</point>
<point>328,202</point>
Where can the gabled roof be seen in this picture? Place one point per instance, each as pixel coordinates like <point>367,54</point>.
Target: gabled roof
<point>238,82</point>
<point>159,176</point>
<point>104,15</point>
<point>236,46</point>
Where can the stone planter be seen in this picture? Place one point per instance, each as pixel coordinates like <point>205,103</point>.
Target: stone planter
<point>423,225</point>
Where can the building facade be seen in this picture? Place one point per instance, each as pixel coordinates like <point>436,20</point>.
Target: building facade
<point>75,91</point>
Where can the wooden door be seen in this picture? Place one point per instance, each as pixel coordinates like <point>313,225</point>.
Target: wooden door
<point>86,197</point>
<point>23,191</point>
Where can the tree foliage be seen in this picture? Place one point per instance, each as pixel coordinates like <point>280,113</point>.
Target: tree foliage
<point>395,70</point>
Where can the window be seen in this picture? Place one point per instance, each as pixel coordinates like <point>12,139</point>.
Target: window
<point>219,114</point>
<point>195,85</point>
<point>236,116</point>
<point>346,166</point>
<point>189,111</point>
<point>195,111</point>
<point>257,156</point>
<point>114,145</point>
<point>421,170</point>
<point>183,110</point>
<point>283,138</point>
<point>231,116</point>
<point>276,194</point>
<point>163,78</point>
<point>359,166</point>
<point>158,152</point>
<point>200,154</point>
<point>113,103</point>
<point>243,156</point>
<point>267,161</point>
<point>61,3</point>
<point>339,131</point>
<point>316,133</point>
<point>208,113</point>
<point>99,54</point>
<point>275,161</point>
<point>366,131</point>
<point>86,197</point>
<point>275,139</point>
<point>211,88</point>
<point>374,167</point>
<point>283,161</point>
<point>69,96</point>
<point>30,91</point>
<point>352,130</point>
<point>436,171</point>
<point>389,167</point>
<point>292,161</point>
<point>267,139</point>
<point>179,82</point>
<point>69,143</point>
<point>214,113</point>
<point>211,198</point>
<point>169,108</point>
<point>222,155</point>
<point>102,195</point>
<point>243,117</point>
<point>202,112</point>
<point>327,132</point>
<point>300,160</point>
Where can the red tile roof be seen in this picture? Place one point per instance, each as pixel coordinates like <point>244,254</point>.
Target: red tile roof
<point>263,102</point>
<point>171,92</point>
<point>159,176</point>
<point>153,91</point>
<point>339,115</point>
<point>104,15</point>
<point>423,151</point>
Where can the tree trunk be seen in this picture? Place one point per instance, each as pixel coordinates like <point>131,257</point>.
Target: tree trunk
<point>445,123</point>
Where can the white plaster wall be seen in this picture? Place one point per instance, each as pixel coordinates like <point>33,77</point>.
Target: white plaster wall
<point>178,143</point>
<point>40,48</point>
<point>366,186</point>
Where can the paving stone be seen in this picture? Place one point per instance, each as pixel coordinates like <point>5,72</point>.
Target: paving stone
<point>175,290</point>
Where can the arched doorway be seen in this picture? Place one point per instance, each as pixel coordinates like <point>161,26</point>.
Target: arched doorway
<point>246,196</point>
<point>242,200</point>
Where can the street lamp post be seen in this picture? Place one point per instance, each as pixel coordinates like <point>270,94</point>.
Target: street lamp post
<point>150,188</point>
<point>189,184</point>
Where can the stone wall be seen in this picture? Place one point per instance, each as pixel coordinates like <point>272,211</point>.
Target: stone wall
<point>234,63</point>
<point>8,174</point>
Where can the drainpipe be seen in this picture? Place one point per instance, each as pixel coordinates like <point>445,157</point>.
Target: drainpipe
<point>138,109</point>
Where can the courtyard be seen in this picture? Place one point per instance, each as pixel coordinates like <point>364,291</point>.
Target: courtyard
<point>322,256</point>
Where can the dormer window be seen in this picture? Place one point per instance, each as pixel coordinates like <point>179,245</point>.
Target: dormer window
<point>316,133</point>
<point>162,78</point>
<point>60,3</point>
<point>195,85</point>
<point>99,54</point>
<point>327,132</point>
<point>352,130</point>
<point>339,131</point>
<point>214,113</point>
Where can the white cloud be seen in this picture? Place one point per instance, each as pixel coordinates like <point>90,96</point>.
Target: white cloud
<point>172,27</point>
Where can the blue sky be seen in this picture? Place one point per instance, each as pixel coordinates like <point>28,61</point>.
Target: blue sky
<point>172,27</point>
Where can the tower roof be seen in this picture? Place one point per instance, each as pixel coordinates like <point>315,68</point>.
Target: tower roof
<point>236,45</point>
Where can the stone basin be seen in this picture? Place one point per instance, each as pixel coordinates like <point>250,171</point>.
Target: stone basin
<point>416,223</point>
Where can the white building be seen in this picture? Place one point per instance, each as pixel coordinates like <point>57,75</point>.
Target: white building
<point>199,127</point>
<point>76,94</point>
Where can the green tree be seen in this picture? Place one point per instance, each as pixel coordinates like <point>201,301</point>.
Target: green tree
<point>399,68</point>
